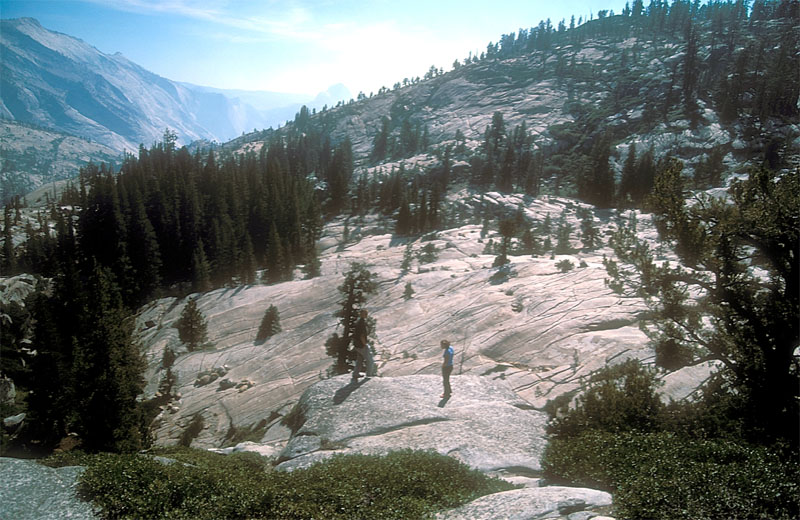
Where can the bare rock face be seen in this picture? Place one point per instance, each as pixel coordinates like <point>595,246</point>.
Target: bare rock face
<point>484,423</point>
<point>534,326</point>
<point>533,504</point>
<point>31,491</point>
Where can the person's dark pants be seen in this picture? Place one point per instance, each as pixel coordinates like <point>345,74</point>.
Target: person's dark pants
<point>359,366</point>
<point>446,371</point>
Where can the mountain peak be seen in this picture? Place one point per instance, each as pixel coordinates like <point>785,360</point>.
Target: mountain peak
<point>57,81</point>
<point>25,20</point>
<point>332,95</point>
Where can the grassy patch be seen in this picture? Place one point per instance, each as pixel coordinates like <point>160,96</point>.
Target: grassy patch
<point>204,485</point>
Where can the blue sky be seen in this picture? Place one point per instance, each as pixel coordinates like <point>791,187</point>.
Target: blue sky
<point>297,46</point>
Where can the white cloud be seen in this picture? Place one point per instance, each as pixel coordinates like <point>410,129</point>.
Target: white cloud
<point>275,19</point>
<point>367,57</point>
<point>199,9</point>
<point>320,50</point>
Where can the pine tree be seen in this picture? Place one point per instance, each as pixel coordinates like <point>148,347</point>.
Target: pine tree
<point>102,233</point>
<point>408,139</point>
<point>9,264</point>
<point>505,176</point>
<point>270,324</point>
<point>589,235</point>
<point>408,256</point>
<point>339,173</point>
<point>107,371</point>
<point>495,136</point>
<point>201,271</point>
<point>529,243</point>
<point>380,145</point>
<point>276,257</point>
<point>596,186</point>
<point>144,253</point>
<point>628,179</point>
<point>708,172</point>
<point>50,403</point>
<point>358,283</point>
<point>563,246</point>
<point>508,229</point>
<point>546,227</point>
<point>192,326</point>
<point>446,170</point>
<point>690,72</point>
<point>313,267</point>
<point>718,306</point>
<point>403,225</point>
<point>246,261</point>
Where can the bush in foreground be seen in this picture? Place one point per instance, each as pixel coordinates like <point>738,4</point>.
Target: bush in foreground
<point>665,476</point>
<point>681,461</point>
<point>201,485</point>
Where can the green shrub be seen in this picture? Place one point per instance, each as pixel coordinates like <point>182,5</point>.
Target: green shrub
<point>565,265</point>
<point>135,486</point>
<point>403,484</point>
<point>618,398</point>
<point>60,459</point>
<point>270,324</point>
<point>428,254</point>
<point>203,485</point>
<point>662,475</point>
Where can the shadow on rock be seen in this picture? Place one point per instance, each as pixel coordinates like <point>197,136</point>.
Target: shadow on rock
<point>345,391</point>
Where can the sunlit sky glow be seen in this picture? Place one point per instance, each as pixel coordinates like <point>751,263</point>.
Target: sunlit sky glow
<point>295,46</point>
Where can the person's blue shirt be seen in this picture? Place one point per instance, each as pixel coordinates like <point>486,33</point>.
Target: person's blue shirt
<point>448,356</point>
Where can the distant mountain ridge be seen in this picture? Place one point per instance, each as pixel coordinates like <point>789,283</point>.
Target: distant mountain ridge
<point>32,157</point>
<point>56,81</point>
<point>63,103</point>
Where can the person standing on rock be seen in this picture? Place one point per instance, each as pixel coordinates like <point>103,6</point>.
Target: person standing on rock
<point>447,367</point>
<point>360,334</point>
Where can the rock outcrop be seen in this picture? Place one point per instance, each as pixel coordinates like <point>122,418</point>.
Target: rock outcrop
<point>30,491</point>
<point>533,504</point>
<point>541,330</point>
<point>484,424</point>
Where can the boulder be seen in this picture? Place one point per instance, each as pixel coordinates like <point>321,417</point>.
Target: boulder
<point>226,384</point>
<point>265,450</point>
<point>530,504</point>
<point>484,423</point>
<point>13,421</point>
<point>682,384</point>
<point>31,491</point>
